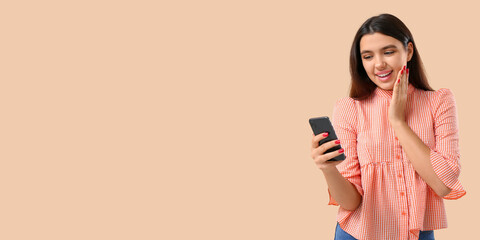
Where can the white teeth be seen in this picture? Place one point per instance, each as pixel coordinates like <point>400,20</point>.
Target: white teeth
<point>384,75</point>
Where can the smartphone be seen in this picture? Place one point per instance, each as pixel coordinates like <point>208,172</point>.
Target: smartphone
<point>321,125</point>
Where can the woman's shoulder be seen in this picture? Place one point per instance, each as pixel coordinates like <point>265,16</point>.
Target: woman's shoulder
<point>345,108</point>
<point>440,93</point>
<point>438,98</point>
<point>345,102</point>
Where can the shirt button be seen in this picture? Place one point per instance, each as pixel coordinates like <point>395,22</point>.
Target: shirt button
<point>396,138</point>
<point>399,175</point>
<point>402,194</point>
<point>398,157</point>
<point>404,213</point>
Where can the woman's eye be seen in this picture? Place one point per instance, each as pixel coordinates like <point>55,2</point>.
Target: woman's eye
<point>389,52</point>
<point>366,57</point>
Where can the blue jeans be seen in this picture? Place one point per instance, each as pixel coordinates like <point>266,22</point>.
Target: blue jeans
<point>342,235</point>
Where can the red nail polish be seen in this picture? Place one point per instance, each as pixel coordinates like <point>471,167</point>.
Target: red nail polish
<point>407,70</point>
<point>404,66</point>
<point>325,134</point>
<point>341,150</point>
<point>337,142</point>
<point>401,72</point>
<point>398,80</point>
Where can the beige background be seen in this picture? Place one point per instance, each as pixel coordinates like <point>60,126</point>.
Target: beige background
<point>189,119</point>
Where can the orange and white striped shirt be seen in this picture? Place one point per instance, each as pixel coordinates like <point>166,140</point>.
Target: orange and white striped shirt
<point>396,202</point>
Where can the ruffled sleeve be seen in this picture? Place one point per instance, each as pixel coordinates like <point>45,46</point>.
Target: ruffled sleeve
<point>344,121</point>
<point>445,156</point>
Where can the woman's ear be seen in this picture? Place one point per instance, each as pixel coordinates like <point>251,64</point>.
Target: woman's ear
<point>409,51</point>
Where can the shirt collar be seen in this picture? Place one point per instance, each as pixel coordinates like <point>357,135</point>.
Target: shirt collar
<point>388,94</point>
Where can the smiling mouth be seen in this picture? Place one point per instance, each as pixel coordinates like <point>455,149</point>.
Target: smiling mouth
<point>384,75</point>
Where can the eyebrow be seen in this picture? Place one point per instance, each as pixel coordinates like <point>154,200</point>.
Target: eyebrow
<point>388,46</point>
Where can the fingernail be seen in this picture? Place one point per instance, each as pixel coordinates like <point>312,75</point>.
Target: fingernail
<point>401,72</point>
<point>407,70</point>
<point>337,142</point>
<point>325,134</point>
<point>398,80</point>
<point>404,66</point>
<point>341,150</point>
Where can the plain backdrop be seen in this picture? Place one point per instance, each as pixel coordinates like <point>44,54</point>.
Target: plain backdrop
<point>189,119</point>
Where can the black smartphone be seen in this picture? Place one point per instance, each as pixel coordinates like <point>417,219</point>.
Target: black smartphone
<point>321,125</point>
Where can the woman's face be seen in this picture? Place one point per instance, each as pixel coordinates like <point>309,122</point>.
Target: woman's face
<point>383,57</point>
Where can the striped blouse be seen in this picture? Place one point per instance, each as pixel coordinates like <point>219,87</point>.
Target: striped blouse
<point>396,202</point>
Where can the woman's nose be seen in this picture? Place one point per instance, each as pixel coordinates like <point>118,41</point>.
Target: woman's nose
<point>380,64</point>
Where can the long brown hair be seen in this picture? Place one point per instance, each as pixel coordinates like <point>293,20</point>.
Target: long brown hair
<point>387,24</point>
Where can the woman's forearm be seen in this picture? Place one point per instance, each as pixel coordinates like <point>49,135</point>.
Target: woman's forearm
<point>342,190</point>
<point>419,155</point>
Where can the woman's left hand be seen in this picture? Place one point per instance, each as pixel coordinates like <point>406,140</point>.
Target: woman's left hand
<point>396,110</point>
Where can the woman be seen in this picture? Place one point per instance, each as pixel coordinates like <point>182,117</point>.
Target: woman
<point>400,138</point>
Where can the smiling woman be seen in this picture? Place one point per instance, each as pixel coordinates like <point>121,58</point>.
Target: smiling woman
<point>400,139</point>
<point>383,57</point>
<point>382,44</point>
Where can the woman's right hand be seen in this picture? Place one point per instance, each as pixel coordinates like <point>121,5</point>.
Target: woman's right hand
<point>318,152</point>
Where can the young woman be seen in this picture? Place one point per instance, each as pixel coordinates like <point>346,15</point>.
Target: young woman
<point>400,138</point>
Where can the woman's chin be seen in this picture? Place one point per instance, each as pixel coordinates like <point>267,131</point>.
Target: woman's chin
<point>388,86</point>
